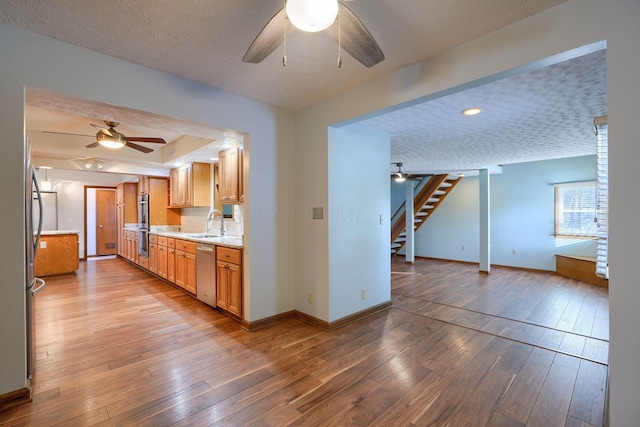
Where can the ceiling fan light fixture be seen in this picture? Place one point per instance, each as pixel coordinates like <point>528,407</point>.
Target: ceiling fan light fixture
<point>110,141</point>
<point>312,15</point>
<point>399,176</point>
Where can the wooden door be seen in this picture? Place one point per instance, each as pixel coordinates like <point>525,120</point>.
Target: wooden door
<point>222,284</point>
<point>105,222</point>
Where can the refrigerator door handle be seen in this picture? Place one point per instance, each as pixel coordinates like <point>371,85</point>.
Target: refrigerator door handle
<point>41,284</point>
<point>37,187</point>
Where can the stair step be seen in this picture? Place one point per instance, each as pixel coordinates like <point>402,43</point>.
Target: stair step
<point>420,213</point>
<point>440,192</point>
<point>433,200</point>
<point>417,220</point>
<point>395,245</point>
<point>400,240</point>
<point>392,252</point>
<point>445,185</point>
<point>426,207</point>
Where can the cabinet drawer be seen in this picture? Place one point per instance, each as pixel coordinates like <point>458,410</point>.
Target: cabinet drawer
<point>143,262</point>
<point>231,255</point>
<point>171,242</point>
<point>186,246</point>
<point>162,241</point>
<point>153,238</point>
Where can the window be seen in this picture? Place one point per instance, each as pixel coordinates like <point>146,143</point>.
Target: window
<point>576,209</point>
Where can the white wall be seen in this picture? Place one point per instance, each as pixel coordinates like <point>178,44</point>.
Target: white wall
<point>568,26</point>
<point>32,60</point>
<point>358,242</point>
<point>522,216</point>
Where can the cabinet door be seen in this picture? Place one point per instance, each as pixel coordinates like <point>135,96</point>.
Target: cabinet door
<point>181,269</point>
<point>153,257</point>
<point>222,284</point>
<point>162,261</point>
<point>174,187</point>
<point>191,272</point>
<point>171,265</point>
<point>120,243</point>
<point>228,175</point>
<point>234,304</point>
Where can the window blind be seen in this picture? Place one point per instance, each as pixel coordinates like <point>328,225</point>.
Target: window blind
<point>602,196</point>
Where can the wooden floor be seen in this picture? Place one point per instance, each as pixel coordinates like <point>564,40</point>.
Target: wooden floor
<point>117,347</point>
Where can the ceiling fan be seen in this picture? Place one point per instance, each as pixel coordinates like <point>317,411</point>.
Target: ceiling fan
<point>109,137</point>
<point>334,16</point>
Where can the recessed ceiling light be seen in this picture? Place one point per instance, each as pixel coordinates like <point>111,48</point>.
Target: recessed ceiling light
<point>213,159</point>
<point>471,111</point>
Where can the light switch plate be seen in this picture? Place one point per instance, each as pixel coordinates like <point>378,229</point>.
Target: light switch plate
<point>43,245</point>
<point>317,213</point>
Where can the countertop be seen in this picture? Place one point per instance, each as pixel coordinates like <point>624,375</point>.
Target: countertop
<point>56,232</point>
<point>227,241</point>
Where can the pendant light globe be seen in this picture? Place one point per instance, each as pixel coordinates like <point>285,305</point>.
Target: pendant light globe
<point>312,15</point>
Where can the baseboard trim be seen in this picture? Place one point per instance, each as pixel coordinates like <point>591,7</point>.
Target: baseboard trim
<point>267,321</point>
<point>337,324</point>
<point>14,398</point>
<point>314,321</point>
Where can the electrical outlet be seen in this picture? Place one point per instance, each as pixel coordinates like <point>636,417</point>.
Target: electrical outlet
<point>515,251</point>
<point>363,293</point>
<point>43,245</point>
<point>317,213</point>
<point>464,247</point>
<point>310,298</point>
<point>381,219</point>
<point>69,221</point>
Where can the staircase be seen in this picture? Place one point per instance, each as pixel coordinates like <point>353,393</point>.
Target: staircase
<point>425,202</point>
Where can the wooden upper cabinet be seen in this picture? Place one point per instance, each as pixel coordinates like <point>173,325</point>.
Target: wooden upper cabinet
<point>159,202</point>
<point>229,174</point>
<point>143,185</point>
<point>191,185</point>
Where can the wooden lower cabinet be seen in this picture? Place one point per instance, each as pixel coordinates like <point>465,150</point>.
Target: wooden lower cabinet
<point>185,256</point>
<point>229,280</point>
<point>153,253</point>
<point>131,245</point>
<point>171,264</point>
<point>57,254</point>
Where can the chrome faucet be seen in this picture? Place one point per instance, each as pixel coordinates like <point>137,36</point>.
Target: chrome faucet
<point>210,216</point>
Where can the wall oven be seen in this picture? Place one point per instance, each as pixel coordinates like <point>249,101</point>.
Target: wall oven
<point>143,225</point>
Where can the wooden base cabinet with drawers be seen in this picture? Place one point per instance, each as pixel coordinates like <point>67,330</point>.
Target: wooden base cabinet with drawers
<point>229,279</point>
<point>185,255</point>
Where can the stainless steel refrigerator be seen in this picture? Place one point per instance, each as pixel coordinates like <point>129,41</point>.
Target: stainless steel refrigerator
<point>32,237</point>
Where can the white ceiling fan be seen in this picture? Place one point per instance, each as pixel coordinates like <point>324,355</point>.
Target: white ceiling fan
<point>317,15</point>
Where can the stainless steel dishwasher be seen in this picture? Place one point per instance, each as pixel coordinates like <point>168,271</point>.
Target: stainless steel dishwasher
<point>206,273</point>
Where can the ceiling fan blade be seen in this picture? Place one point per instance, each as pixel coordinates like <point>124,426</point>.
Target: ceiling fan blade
<point>138,147</point>
<point>356,39</point>
<point>146,139</point>
<point>271,36</point>
<point>67,133</point>
<point>99,127</point>
<point>95,144</point>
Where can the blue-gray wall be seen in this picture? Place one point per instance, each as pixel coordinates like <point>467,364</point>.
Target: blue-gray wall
<point>522,216</point>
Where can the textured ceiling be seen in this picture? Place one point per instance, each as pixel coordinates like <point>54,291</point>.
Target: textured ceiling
<point>205,40</point>
<point>542,114</point>
<point>539,115</point>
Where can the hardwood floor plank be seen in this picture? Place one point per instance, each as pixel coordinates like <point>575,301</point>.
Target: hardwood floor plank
<point>479,407</point>
<point>521,397</point>
<point>588,399</point>
<point>552,406</point>
<point>117,346</point>
<point>443,407</point>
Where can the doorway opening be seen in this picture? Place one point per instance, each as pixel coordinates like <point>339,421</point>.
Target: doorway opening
<point>99,222</point>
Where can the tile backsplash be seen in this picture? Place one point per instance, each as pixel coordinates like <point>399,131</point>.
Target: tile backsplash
<point>193,220</point>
